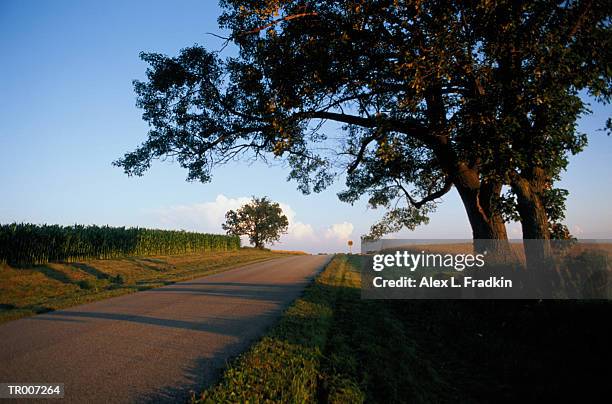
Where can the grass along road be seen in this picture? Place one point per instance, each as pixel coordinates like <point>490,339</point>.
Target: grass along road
<point>289,365</point>
<point>331,346</point>
<point>42,288</point>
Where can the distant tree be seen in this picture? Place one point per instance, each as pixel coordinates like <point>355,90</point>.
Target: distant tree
<point>262,220</point>
<point>432,95</point>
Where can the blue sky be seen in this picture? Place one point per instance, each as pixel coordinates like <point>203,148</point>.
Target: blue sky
<point>67,110</point>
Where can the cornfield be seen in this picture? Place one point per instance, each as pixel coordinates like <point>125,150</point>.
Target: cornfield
<point>27,244</point>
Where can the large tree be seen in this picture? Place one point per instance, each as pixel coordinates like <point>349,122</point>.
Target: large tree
<point>422,89</point>
<point>544,54</point>
<point>261,220</point>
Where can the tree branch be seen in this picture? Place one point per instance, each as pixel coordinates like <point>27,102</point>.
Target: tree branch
<point>364,145</point>
<point>412,128</point>
<point>274,22</point>
<point>448,184</point>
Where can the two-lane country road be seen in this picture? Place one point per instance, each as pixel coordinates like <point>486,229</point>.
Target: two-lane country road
<point>156,345</point>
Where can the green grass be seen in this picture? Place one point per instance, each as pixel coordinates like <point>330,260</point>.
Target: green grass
<point>332,346</point>
<point>285,365</point>
<point>42,288</point>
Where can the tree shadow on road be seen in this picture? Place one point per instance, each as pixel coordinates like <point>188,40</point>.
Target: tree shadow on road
<point>221,326</point>
<point>268,292</point>
<point>200,373</point>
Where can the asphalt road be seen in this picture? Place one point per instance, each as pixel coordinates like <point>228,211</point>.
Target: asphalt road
<point>153,346</point>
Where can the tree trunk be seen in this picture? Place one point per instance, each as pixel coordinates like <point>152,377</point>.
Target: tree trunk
<point>534,221</point>
<point>257,242</point>
<point>478,199</point>
<point>477,195</point>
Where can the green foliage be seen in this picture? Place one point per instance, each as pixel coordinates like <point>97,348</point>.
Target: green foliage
<point>396,219</point>
<point>554,206</point>
<point>432,94</point>
<point>26,244</point>
<point>262,220</point>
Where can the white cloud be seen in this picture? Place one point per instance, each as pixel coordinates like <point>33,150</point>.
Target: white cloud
<point>340,231</point>
<point>301,231</point>
<point>296,229</point>
<point>207,216</point>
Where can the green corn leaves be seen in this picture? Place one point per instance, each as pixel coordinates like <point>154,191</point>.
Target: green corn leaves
<point>27,244</point>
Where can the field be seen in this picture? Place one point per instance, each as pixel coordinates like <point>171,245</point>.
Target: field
<point>25,244</point>
<point>41,288</point>
<point>332,346</point>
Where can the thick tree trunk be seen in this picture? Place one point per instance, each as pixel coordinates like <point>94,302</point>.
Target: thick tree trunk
<point>534,221</point>
<point>487,224</point>
<point>477,195</point>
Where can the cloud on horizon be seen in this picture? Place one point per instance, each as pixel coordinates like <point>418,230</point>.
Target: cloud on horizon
<point>208,217</point>
<point>341,231</point>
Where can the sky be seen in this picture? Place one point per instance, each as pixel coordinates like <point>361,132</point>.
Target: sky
<point>67,110</point>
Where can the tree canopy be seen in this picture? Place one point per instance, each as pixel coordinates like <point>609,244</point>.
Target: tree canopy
<point>261,219</point>
<point>431,96</point>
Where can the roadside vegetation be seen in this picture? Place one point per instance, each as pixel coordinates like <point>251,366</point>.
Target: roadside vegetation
<point>286,365</point>
<point>332,346</point>
<point>36,289</point>
<point>27,244</point>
